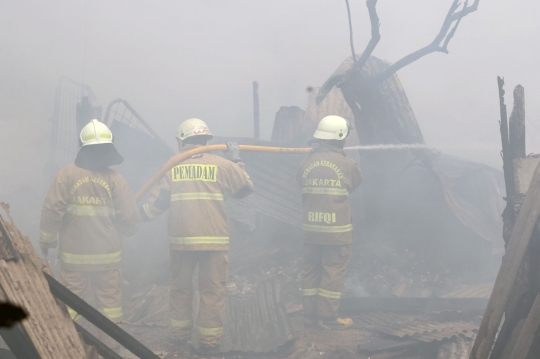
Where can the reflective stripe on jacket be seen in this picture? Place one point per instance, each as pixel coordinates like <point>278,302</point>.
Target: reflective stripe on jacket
<point>193,191</point>
<point>86,207</point>
<point>327,177</point>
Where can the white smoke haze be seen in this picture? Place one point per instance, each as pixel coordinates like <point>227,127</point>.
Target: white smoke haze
<point>174,60</point>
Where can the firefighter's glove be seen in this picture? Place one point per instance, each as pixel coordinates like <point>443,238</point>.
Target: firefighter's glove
<point>233,152</point>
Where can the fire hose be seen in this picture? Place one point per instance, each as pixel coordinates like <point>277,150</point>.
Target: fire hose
<point>203,149</point>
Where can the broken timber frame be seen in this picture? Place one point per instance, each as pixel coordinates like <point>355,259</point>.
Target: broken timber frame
<point>511,263</point>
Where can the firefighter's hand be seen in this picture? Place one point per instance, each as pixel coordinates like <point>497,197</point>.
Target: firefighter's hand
<point>233,152</point>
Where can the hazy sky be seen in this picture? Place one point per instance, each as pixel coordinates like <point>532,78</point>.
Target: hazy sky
<point>173,60</point>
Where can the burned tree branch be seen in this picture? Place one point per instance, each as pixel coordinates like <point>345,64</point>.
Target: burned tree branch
<point>444,37</point>
<point>351,32</point>
<point>375,35</point>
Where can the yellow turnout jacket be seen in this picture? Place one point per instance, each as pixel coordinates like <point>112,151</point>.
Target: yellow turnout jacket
<point>194,193</point>
<point>90,210</point>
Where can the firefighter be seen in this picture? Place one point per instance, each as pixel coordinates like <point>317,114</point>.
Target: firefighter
<point>193,191</point>
<point>91,207</point>
<point>327,177</point>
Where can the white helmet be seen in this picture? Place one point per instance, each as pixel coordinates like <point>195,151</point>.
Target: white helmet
<point>193,127</point>
<point>332,128</point>
<point>95,133</point>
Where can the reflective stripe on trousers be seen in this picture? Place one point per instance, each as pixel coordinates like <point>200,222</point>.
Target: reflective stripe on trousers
<point>180,323</point>
<point>310,292</point>
<point>321,292</point>
<point>107,258</point>
<point>90,211</point>
<point>325,190</point>
<point>329,294</point>
<point>112,313</point>
<point>210,331</point>
<point>199,240</point>
<point>328,229</point>
<point>191,196</point>
<point>47,237</point>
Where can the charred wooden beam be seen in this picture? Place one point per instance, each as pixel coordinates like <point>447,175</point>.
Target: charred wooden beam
<point>99,320</point>
<point>512,261</point>
<point>517,124</point>
<point>508,166</point>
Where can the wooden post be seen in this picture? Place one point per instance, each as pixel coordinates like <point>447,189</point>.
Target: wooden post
<point>256,130</point>
<point>508,272</point>
<point>517,124</point>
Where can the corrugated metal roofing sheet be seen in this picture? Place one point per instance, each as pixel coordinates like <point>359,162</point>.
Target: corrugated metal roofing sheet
<point>276,191</point>
<point>471,291</point>
<point>410,327</point>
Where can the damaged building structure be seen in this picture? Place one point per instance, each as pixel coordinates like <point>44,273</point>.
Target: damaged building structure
<point>428,228</point>
<point>414,301</point>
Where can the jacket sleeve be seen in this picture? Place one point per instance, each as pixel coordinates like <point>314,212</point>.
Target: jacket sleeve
<point>125,209</point>
<point>356,177</point>
<point>52,213</point>
<point>238,181</point>
<point>158,202</point>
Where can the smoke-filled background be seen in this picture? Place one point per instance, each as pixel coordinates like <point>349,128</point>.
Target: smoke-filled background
<point>175,60</point>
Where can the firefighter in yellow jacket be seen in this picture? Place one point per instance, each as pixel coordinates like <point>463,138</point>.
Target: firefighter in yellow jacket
<point>327,177</point>
<point>193,191</point>
<point>91,207</point>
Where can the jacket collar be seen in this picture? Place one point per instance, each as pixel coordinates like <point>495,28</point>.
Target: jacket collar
<point>328,149</point>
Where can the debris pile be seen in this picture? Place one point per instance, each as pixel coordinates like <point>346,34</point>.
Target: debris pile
<point>288,272</point>
<point>386,271</point>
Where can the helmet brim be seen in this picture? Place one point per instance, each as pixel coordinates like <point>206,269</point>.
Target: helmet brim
<point>98,156</point>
